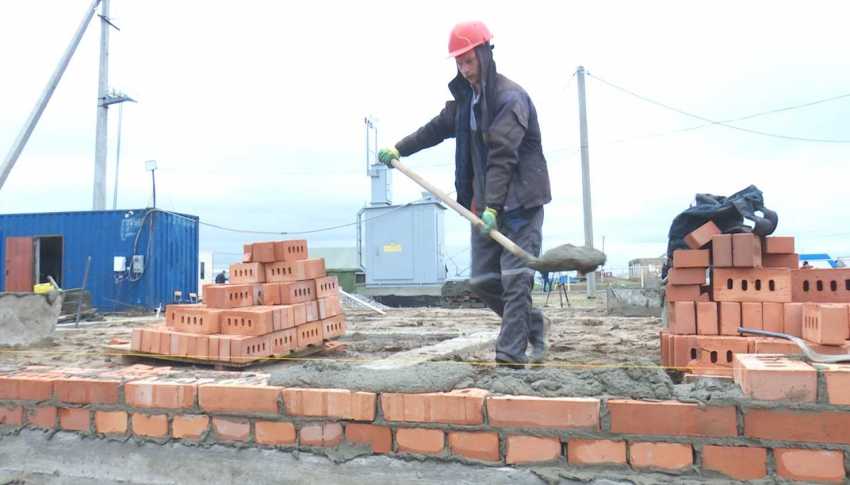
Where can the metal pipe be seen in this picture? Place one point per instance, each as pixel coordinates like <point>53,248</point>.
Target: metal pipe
<point>29,126</point>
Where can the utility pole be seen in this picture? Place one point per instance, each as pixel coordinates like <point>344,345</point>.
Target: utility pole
<point>99,192</point>
<point>585,177</point>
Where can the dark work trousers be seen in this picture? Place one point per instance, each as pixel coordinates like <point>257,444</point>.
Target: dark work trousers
<point>504,283</point>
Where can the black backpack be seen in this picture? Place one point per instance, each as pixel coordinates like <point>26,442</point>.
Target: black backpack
<point>728,213</point>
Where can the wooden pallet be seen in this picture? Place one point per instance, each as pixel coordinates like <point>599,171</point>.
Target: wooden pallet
<point>123,351</point>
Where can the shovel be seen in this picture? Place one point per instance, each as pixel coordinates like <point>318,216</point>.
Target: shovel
<point>561,258</point>
<point>807,351</point>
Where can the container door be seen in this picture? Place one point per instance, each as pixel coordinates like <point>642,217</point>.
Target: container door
<point>19,264</point>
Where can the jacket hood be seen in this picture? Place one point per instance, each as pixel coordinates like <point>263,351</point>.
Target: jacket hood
<point>460,87</point>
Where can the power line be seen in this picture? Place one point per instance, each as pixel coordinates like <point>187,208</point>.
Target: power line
<point>724,123</point>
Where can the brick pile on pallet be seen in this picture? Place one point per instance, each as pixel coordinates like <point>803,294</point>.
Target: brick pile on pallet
<point>277,301</point>
<point>726,281</point>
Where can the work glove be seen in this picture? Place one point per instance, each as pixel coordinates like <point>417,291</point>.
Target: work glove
<point>488,217</point>
<point>387,155</point>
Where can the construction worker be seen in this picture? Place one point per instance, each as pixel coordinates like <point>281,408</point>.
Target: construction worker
<point>500,173</point>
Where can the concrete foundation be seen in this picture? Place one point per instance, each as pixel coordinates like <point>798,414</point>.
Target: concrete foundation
<point>28,318</point>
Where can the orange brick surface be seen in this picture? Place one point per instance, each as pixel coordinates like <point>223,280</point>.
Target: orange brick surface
<point>292,250</point>
<point>773,315</point>
<point>325,435</point>
<point>74,419</point>
<point>26,388</point>
<point>671,418</point>
<point>309,334</point>
<point>274,433</point>
<point>662,456</point>
<point>740,463</point>
<point>752,315</point>
<point>681,318</point>
<point>230,430</point>
<point>150,425</point>
<point>682,292</point>
<point>825,323</point>
<point>285,271</point>
<point>464,406</point>
<point>790,261</point>
<point>191,427</point>
<point>11,416</point>
<point>702,235</point>
<point>805,426</point>
<point>239,398</point>
<point>259,252</point>
<point>110,422</point>
<point>729,316</point>
<point>247,273</point>
<point>821,285</point>
<point>707,323</point>
<point>746,251</point>
<point>334,403</point>
<point>87,391</point>
<point>837,378</point>
<point>327,286</point>
<point>596,452</point>
<point>329,306</point>
<point>42,417</point>
<point>420,441</point>
<point>775,378</point>
<point>686,276</point>
<point>192,319</point>
<point>258,320</point>
<point>779,245</point>
<point>531,449</point>
<point>752,284</point>
<point>481,446</point>
<point>792,319</point>
<point>527,411</point>
<point>228,296</point>
<point>297,292</point>
<point>314,268</point>
<point>810,465</point>
<point>158,394</point>
<point>333,327</point>
<point>691,258</point>
<point>721,250</point>
<point>379,438</point>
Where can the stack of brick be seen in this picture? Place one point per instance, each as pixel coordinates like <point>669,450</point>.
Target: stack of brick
<point>277,301</point>
<point>726,281</point>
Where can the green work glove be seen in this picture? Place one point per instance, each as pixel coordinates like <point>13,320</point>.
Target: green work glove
<point>387,155</point>
<point>489,219</point>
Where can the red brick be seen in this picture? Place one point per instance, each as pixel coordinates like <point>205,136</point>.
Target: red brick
<point>716,352</point>
<point>682,292</point>
<point>779,244</point>
<point>380,438</point>
<point>238,399</point>
<point>821,285</point>
<point>686,276</point>
<point>292,250</point>
<point>229,296</point>
<point>274,433</point>
<point>596,452</point>
<point>327,286</point>
<point>738,462</point>
<point>702,235</point>
<point>752,315</point>
<point>671,418</point>
<point>314,268</point>
<point>752,284</point>
<point>746,250</point>
<point>283,342</point>
<point>790,261</point>
<point>247,273</point>
<point>297,292</point>
<point>326,435</point>
<point>329,306</point>
<point>259,252</point>
<point>531,449</point>
<point>87,391</point>
<point>334,403</point>
<point>136,339</point>
<point>299,313</point>
<point>707,318</point>
<point>721,251</point>
<point>681,318</point>
<point>775,378</point>
<point>482,446</point>
<point>691,258</point>
<point>26,387</point>
<point>729,316</point>
<point>420,441</point>
<point>159,394</point>
<point>810,465</point>
<point>767,345</point>
<point>42,417</point>
<point>189,426</point>
<point>74,419</point>
<point>11,416</point>
<point>308,334</point>
<point>684,348</point>
<point>527,411</point>
<point>258,320</point>
<point>228,430</point>
<point>773,316</point>
<point>271,293</point>
<point>285,271</point>
<point>110,422</point>
<point>456,407</point>
<point>192,319</point>
<point>334,327</point>
<point>666,360</point>
<point>792,319</point>
<point>805,426</point>
<point>150,425</point>
<point>825,323</point>
<point>837,382</point>
<point>285,318</point>
<point>662,456</point>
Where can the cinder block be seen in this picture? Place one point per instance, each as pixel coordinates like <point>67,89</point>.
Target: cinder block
<point>721,251</point>
<point>752,285</point>
<point>752,315</point>
<point>779,245</point>
<point>773,315</point>
<point>825,323</point>
<point>229,296</point>
<point>285,271</point>
<point>293,250</point>
<point>821,285</point>
<point>790,261</point>
<point>192,319</point>
<point>247,273</point>
<point>702,235</point>
<point>691,258</point>
<point>767,377</point>
<point>707,318</point>
<point>729,315</point>
<point>686,276</point>
<point>681,318</point>
<point>746,250</point>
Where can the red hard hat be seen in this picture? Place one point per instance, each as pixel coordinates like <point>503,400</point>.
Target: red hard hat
<point>467,36</point>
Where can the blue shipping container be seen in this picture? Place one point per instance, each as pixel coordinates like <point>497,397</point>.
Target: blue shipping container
<point>61,242</point>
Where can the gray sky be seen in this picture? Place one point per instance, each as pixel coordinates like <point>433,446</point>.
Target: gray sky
<point>254,109</point>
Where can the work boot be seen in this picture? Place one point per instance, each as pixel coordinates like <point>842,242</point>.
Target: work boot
<point>540,349</point>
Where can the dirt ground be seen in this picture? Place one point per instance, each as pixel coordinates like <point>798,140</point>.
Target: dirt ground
<point>580,336</point>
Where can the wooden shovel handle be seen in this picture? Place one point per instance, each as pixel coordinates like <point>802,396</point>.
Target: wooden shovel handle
<point>475,220</point>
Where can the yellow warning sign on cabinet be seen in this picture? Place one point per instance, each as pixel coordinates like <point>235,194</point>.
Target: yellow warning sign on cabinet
<point>392,248</point>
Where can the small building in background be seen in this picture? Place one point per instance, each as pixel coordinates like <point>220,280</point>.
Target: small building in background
<point>139,257</point>
<point>342,263</point>
<point>646,268</point>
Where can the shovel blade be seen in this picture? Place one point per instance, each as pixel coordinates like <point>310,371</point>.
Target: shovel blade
<point>569,258</point>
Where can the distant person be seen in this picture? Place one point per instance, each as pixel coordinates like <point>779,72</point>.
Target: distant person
<point>220,278</point>
<point>546,282</point>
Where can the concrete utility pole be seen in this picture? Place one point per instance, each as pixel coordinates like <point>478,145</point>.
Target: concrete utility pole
<point>585,177</point>
<point>99,192</point>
